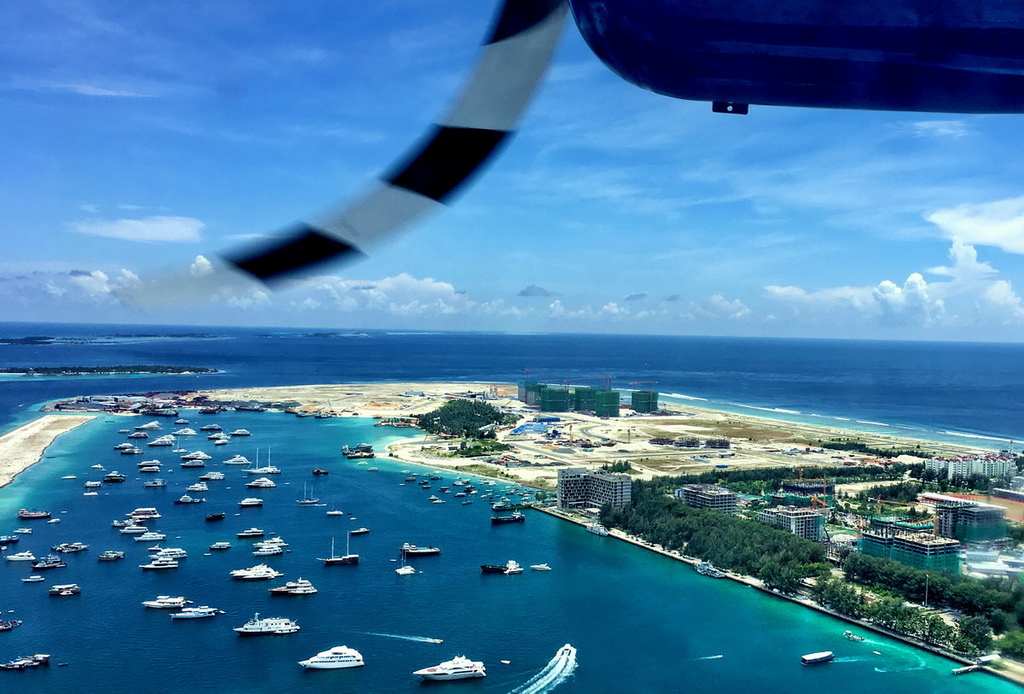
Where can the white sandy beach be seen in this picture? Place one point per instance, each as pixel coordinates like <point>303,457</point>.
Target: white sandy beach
<point>24,447</point>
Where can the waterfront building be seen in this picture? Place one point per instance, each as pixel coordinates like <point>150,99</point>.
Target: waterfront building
<point>989,465</point>
<point>969,521</point>
<point>918,550</point>
<point>579,487</point>
<point>804,522</point>
<point>708,496</point>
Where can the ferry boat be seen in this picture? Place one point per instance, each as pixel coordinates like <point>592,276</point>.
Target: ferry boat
<point>196,612</point>
<point>409,550</point>
<point>815,658</point>
<point>299,587</point>
<point>706,568</point>
<point>267,625</point>
<point>515,517</point>
<point>30,514</point>
<point>333,659</point>
<point>458,668</point>
<point>166,602</point>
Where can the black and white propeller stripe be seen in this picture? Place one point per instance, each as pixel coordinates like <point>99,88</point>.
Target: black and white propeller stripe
<point>513,61</point>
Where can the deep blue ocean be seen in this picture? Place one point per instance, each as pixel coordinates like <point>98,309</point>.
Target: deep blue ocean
<point>641,622</point>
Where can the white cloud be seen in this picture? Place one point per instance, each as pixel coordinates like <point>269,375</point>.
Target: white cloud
<point>159,228</point>
<point>941,128</point>
<point>999,223</point>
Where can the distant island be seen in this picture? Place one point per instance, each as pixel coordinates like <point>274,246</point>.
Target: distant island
<point>102,339</point>
<point>93,370</point>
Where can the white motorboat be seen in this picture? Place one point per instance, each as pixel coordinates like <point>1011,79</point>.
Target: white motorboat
<point>220,545</point>
<point>33,579</point>
<point>196,612</point>
<point>260,572</point>
<point>458,668</point>
<point>261,483</point>
<point>210,427</point>
<point>333,659</point>
<point>265,470</point>
<point>250,502</point>
<point>267,625</point>
<point>93,484</point>
<point>166,602</point>
<point>150,536</point>
<point>540,567</point>
<point>197,487</point>
<point>159,563</point>
<point>211,476</point>
<point>240,432</point>
<point>172,553</point>
<point>251,532</point>
<point>300,587</point>
<point>155,483</point>
<point>196,455</point>
<point>184,432</point>
<point>267,550</point>
<point>237,460</point>
<point>21,556</point>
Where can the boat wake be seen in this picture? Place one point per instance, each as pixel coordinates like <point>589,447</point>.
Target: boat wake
<point>421,639</point>
<point>711,657</point>
<point>554,673</point>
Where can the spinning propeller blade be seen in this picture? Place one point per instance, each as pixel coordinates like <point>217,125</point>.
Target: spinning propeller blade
<point>513,61</point>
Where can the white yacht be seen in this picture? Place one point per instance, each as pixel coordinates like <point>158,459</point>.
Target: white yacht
<point>540,567</point>
<point>265,470</point>
<point>149,426</point>
<point>155,483</point>
<point>240,432</point>
<point>184,432</point>
<point>166,602</point>
<point>220,545</point>
<point>299,587</point>
<point>172,553</point>
<point>211,476</point>
<point>196,455</point>
<point>196,612</point>
<point>250,501</point>
<point>197,487</point>
<point>93,484</point>
<point>150,536</point>
<point>262,550</point>
<point>133,529</point>
<point>251,532</point>
<point>159,563</point>
<point>261,483</point>
<point>260,572</point>
<point>238,460</point>
<point>335,658</point>
<point>21,556</point>
<point>268,625</point>
<point>458,668</point>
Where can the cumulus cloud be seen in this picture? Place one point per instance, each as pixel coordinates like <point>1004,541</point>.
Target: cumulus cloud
<point>970,294</point>
<point>534,290</point>
<point>999,223</point>
<point>159,228</point>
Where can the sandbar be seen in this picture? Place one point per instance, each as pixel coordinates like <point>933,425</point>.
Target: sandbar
<point>24,447</point>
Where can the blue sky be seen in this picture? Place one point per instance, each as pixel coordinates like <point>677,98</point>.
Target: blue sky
<point>141,136</point>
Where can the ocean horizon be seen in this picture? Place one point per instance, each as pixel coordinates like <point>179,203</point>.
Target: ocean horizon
<point>639,620</point>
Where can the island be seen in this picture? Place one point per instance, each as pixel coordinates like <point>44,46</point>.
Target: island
<point>126,370</point>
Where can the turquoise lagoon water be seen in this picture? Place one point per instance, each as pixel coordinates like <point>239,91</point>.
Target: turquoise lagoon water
<point>640,622</point>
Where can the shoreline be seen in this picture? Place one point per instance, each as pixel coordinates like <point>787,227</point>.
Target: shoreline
<point>25,446</point>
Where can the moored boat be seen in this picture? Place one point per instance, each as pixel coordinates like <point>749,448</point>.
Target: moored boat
<point>333,659</point>
<point>267,625</point>
<point>260,572</point>
<point>167,602</point>
<point>196,612</point>
<point>111,555</point>
<point>706,568</point>
<point>515,517</point>
<point>300,587</point>
<point>65,589</point>
<point>31,514</point>
<point>410,550</point>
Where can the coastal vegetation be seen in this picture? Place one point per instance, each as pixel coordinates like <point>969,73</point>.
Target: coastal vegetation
<point>861,447</point>
<point>465,418</point>
<point>123,370</point>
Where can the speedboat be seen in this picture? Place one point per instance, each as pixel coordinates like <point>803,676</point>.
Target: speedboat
<point>267,625</point>
<point>166,602</point>
<point>333,659</point>
<point>196,612</point>
<point>299,587</point>
<point>458,668</point>
<point>33,579</point>
<point>540,567</point>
